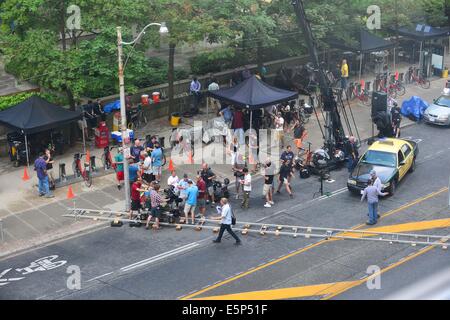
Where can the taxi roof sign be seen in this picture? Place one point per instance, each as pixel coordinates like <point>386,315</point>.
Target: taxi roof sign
<point>386,142</point>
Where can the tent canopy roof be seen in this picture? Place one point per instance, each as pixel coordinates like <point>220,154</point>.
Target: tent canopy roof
<point>36,114</point>
<point>422,32</point>
<point>366,42</point>
<point>253,94</point>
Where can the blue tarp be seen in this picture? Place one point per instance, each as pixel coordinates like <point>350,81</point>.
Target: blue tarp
<point>414,108</point>
<point>110,107</point>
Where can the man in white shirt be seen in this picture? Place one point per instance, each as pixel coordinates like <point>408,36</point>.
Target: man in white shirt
<point>226,222</point>
<point>279,128</point>
<point>247,187</point>
<point>214,86</point>
<point>173,181</point>
<point>376,180</point>
<point>147,166</point>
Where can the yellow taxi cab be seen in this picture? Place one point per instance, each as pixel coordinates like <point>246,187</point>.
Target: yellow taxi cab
<point>390,158</point>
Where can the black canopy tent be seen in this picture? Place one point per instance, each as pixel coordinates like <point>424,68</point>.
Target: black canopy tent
<point>366,42</point>
<point>253,94</point>
<point>35,115</point>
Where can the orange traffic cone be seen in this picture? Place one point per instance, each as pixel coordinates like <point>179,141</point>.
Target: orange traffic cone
<point>171,167</point>
<point>70,194</point>
<point>190,160</point>
<point>25,175</point>
<point>396,75</point>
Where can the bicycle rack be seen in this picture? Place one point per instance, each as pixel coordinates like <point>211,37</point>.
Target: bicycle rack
<point>275,229</point>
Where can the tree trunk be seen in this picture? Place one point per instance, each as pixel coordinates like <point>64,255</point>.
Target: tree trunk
<point>259,55</point>
<point>171,76</point>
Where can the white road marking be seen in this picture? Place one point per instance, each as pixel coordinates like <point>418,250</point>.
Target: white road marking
<point>160,257</point>
<point>103,275</point>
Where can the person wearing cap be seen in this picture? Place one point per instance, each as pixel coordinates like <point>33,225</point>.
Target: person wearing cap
<point>155,205</point>
<point>191,201</point>
<point>372,193</point>
<point>119,167</point>
<point>376,180</point>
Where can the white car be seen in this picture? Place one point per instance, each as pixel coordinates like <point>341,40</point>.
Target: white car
<point>439,112</point>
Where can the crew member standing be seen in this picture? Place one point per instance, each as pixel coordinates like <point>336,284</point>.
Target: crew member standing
<point>396,117</point>
<point>247,188</point>
<point>344,75</point>
<point>372,193</point>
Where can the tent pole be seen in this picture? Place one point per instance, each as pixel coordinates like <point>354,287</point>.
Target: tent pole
<point>360,65</point>
<point>84,138</point>
<point>420,57</point>
<point>395,62</point>
<point>26,149</point>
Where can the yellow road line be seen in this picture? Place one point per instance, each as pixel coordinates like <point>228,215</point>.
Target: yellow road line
<point>404,227</point>
<point>219,284</point>
<point>285,293</point>
<point>392,266</point>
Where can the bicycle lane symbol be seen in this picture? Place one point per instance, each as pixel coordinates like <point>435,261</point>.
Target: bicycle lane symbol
<point>42,264</point>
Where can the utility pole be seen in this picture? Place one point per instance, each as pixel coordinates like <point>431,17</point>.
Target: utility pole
<point>123,115</point>
<point>333,125</point>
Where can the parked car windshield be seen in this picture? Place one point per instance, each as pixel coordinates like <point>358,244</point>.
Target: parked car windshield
<point>443,101</point>
<point>380,158</point>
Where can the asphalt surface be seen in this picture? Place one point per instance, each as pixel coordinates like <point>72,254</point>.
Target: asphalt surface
<point>133,263</point>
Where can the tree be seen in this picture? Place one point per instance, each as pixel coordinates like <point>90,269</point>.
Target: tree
<point>189,21</point>
<point>37,50</point>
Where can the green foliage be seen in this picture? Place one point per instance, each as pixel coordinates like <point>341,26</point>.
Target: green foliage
<point>215,61</point>
<point>12,100</point>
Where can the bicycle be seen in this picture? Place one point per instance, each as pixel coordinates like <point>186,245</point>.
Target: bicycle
<point>418,79</point>
<point>363,95</point>
<point>79,170</point>
<point>107,159</point>
<point>137,118</point>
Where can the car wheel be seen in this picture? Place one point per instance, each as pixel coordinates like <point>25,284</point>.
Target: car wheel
<point>413,166</point>
<point>393,187</point>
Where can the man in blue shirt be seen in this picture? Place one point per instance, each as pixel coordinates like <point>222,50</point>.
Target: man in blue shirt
<point>40,165</point>
<point>135,151</point>
<point>194,89</point>
<point>133,170</point>
<point>157,157</point>
<point>191,201</point>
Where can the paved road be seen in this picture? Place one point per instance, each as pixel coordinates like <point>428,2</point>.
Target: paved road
<point>130,263</point>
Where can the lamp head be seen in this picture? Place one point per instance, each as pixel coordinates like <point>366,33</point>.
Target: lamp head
<point>163,30</point>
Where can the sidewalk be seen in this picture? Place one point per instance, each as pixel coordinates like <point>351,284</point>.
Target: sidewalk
<point>29,220</point>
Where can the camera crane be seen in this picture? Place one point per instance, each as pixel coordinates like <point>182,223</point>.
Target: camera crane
<point>334,132</point>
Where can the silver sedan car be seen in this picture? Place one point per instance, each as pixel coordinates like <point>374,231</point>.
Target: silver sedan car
<point>439,112</point>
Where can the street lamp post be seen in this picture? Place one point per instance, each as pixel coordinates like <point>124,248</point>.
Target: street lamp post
<point>162,30</point>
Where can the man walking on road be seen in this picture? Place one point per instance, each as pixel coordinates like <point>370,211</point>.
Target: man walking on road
<point>226,215</point>
<point>40,165</point>
<point>372,193</point>
<point>268,182</point>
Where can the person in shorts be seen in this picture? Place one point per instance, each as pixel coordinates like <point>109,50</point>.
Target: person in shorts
<point>148,175</point>
<point>118,159</point>
<point>155,206</point>
<point>135,197</point>
<point>208,176</point>
<point>191,201</point>
<point>285,174</point>
<point>183,185</point>
<point>202,195</point>
<point>268,182</point>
